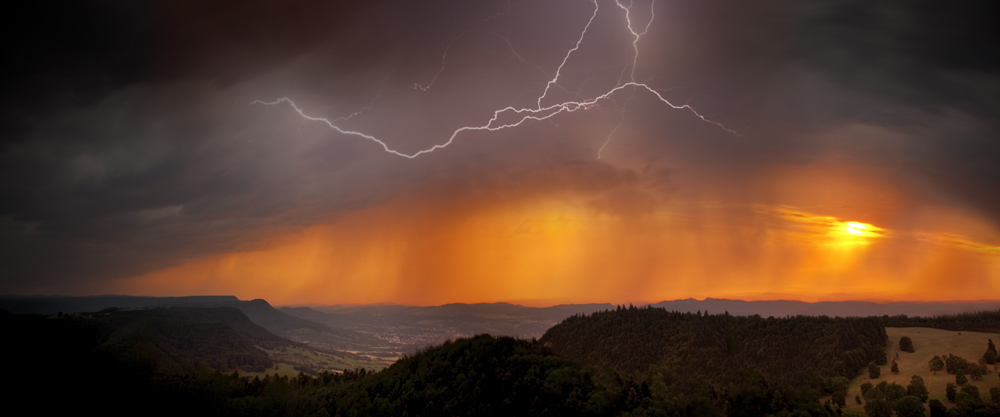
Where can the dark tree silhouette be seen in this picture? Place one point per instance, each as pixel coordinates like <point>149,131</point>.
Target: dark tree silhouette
<point>960,379</point>
<point>873,371</point>
<point>938,409</point>
<point>917,388</point>
<point>906,344</point>
<point>991,357</point>
<point>956,364</point>
<point>936,364</point>
<point>970,391</point>
<point>910,406</point>
<point>876,405</point>
<point>977,371</point>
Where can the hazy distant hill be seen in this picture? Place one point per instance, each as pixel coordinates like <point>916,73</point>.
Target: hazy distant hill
<point>782,308</point>
<point>416,327</point>
<point>421,326</point>
<point>260,312</point>
<point>230,317</point>
<point>182,339</point>
<point>49,305</point>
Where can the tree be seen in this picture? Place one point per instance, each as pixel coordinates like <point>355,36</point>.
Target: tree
<point>867,386</point>
<point>995,395</point>
<point>906,344</point>
<point>910,406</point>
<point>991,357</point>
<point>857,399</point>
<point>893,392</point>
<point>840,399</point>
<point>960,379</point>
<point>894,368</point>
<point>873,371</point>
<point>977,371</point>
<point>917,388</point>
<point>950,391</point>
<point>936,364</point>
<point>972,391</point>
<point>881,359</point>
<point>876,405</point>
<point>938,409</point>
<point>955,364</point>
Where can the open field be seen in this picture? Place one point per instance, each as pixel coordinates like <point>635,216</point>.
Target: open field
<point>928,342</point>
<point>321,361</point>
<point>287,358</point>
<point>282,369</point>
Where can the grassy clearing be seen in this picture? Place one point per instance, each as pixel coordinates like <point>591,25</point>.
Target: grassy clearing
<point>282,369</point>
<point>286,359</point>
<point>323,361</point>
<point>927,343</point>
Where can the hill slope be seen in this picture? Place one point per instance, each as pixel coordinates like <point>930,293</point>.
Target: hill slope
<point>750,356</point>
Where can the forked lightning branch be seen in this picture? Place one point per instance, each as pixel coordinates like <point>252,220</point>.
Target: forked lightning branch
<point>542,110</point>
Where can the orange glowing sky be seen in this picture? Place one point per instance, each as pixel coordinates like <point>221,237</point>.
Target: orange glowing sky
<point>817,232</point>
<point>563,151</point>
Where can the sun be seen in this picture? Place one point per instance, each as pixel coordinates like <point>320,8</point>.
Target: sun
<point>854,232</point>
<point>857,229</point>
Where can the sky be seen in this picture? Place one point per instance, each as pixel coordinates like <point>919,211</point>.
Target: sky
<point>538,152</point>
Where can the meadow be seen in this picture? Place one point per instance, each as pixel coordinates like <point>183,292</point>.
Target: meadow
<point>927,343</point>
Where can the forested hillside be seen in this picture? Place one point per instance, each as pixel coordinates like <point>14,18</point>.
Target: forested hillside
<point>984,321</point>
<point>756,361</point>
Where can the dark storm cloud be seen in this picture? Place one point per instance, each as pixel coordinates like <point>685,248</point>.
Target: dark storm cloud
<point>925,69</point>
<point>128,144</point>
<point>787,73</point>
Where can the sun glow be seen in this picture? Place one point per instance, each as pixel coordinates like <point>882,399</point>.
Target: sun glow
<point>530,246</point>
<point>855,232</point>
<point>856,228</point>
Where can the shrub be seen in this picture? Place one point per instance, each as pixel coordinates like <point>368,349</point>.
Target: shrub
<point>906,344</point>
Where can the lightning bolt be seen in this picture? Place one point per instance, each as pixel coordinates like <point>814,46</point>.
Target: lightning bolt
<point>570,52</point>
<point>636,35</point>
<point>444,56</point>
<point>358,113</point>
<point>518,116</point>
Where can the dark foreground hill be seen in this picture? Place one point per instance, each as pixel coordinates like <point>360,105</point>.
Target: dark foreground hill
<point>627,362</point>
<point>760,364</point>
<point>790,351</point>
<point>479,376</point>
<point>165,340</point>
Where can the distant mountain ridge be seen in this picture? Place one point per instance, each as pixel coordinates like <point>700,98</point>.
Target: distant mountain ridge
<point>782,308</point>
<point>386,332</point>
<point>259,312</point>
<point>317,335</point>
<point>49,305</point>
<point>766,308</point>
